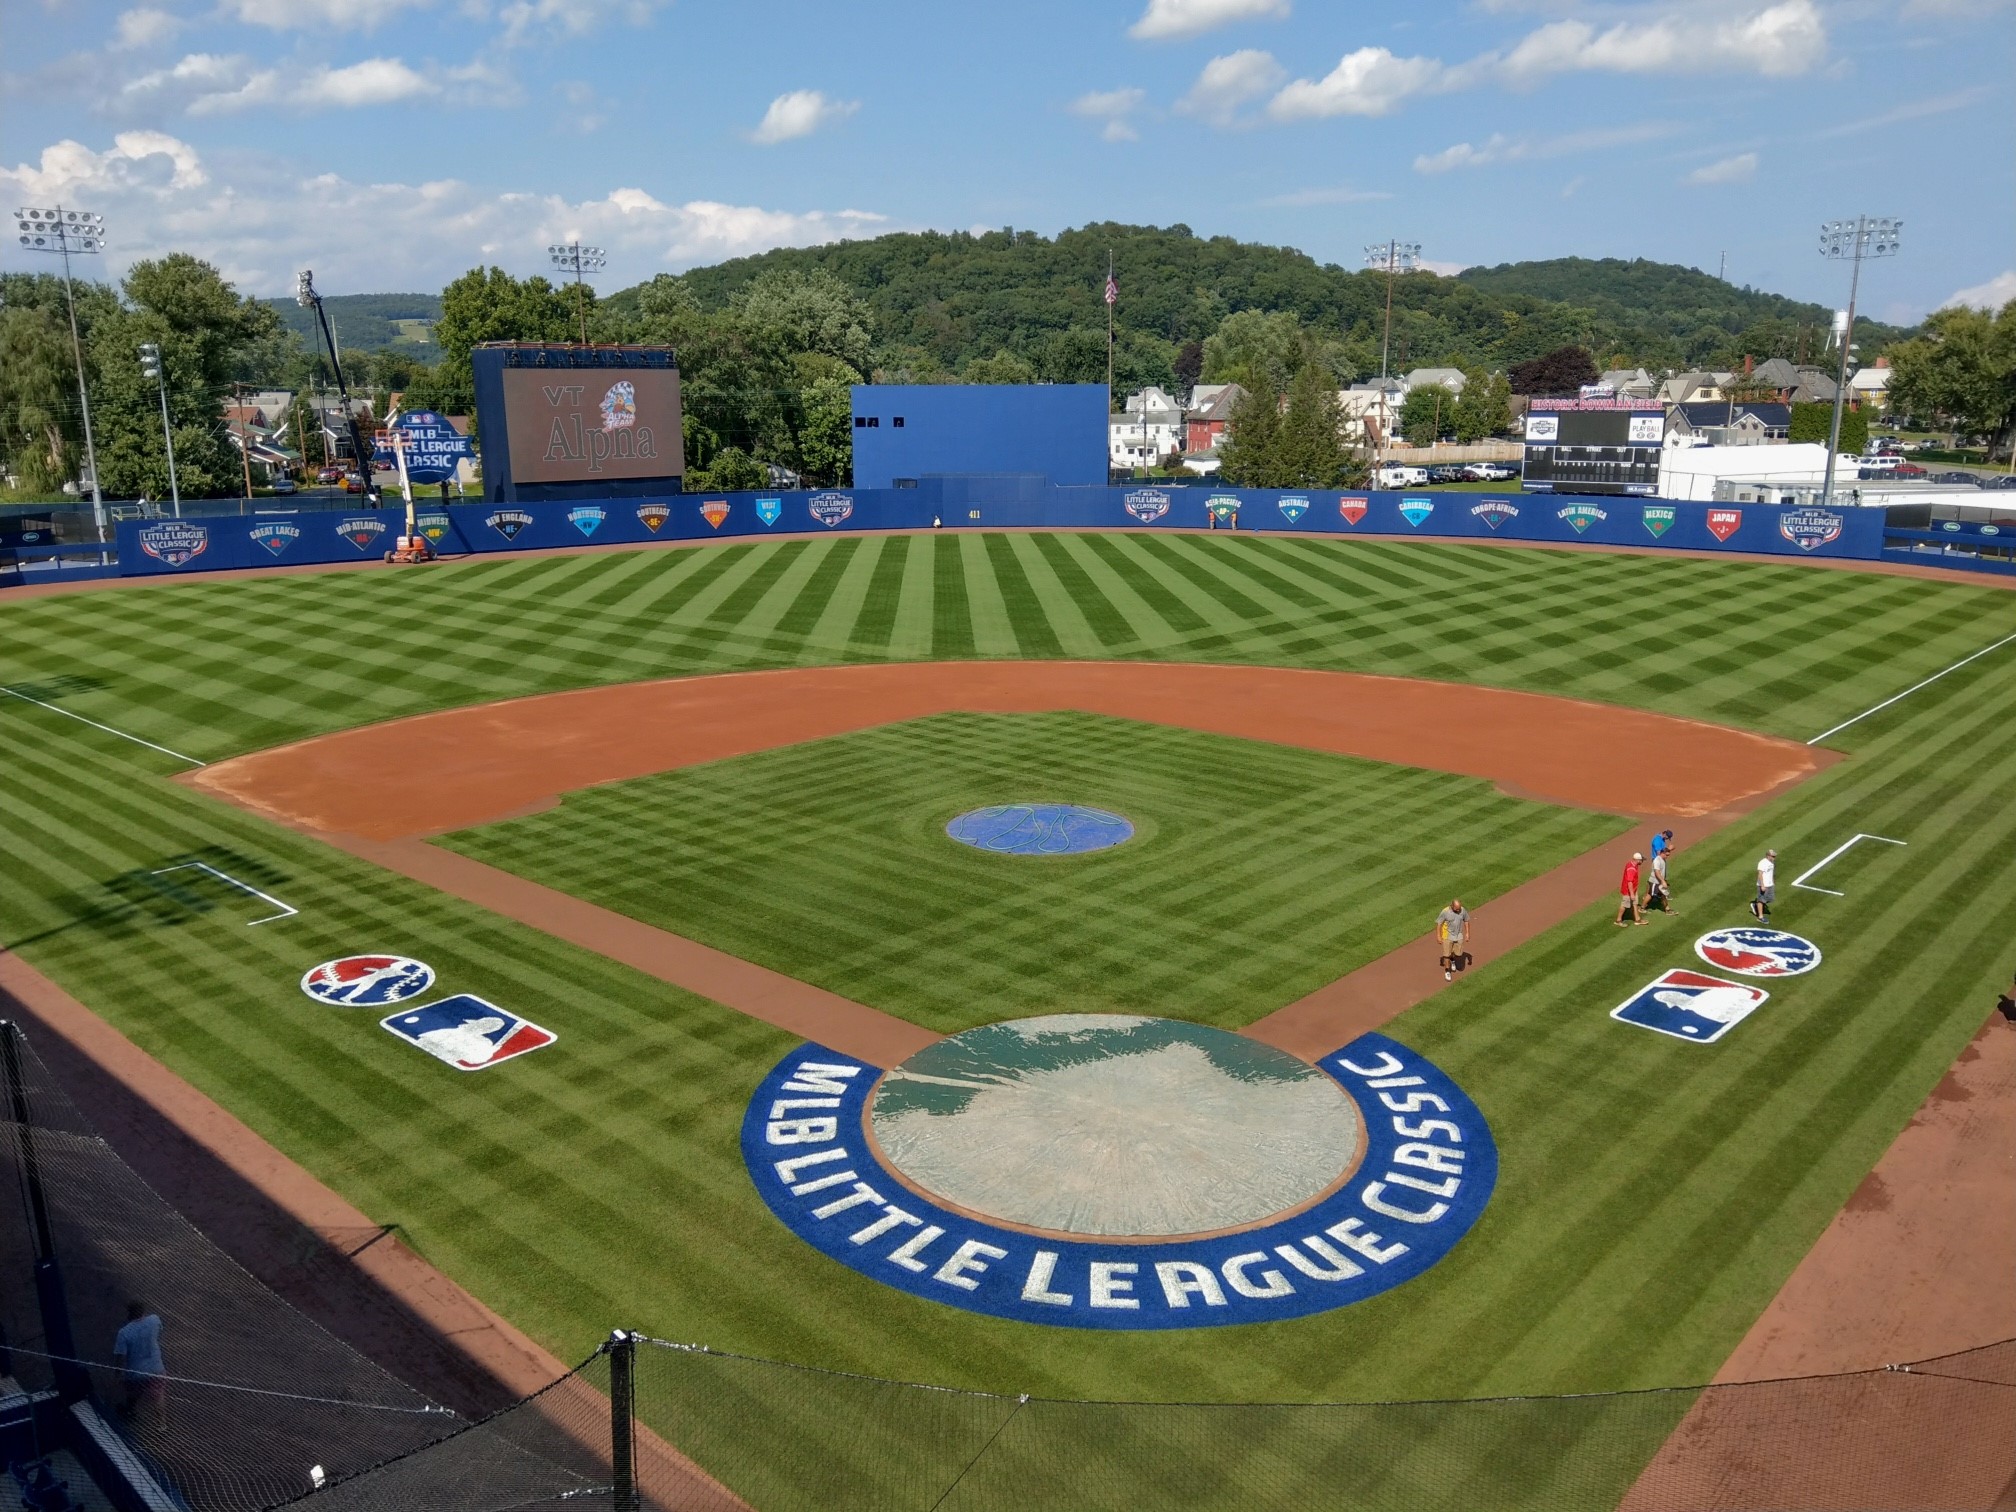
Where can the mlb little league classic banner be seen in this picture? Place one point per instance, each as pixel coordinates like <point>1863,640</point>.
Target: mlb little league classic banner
<point>1279,1189</point>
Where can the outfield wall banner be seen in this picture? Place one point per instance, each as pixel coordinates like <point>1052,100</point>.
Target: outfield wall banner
<point>1420,1180</point>
<point>201,543</point>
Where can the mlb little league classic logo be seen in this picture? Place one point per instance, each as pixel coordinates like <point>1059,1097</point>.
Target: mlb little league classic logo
<point>467,1032</point>
<point>1809,529</point>
<point>829,509</point>
<point>1757,952</point>
<point>1690,1005</point>
<point>174,541</point>
<point>367,981</point>
<point>1146,504</point>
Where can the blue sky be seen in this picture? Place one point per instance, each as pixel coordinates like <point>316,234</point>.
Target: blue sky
<point>390,144</point>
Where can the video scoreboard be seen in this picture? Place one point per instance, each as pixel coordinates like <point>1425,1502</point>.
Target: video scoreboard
<point>1592,447</point>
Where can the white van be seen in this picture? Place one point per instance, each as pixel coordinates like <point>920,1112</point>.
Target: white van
<point>1393,475</point>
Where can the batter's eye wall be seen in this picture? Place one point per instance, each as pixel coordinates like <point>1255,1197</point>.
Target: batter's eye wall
<point>561,423</point>
<point>904,432</point>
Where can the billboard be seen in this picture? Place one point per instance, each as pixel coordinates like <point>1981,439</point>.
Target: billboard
<point>590,425</point>
<point>1598,450</point>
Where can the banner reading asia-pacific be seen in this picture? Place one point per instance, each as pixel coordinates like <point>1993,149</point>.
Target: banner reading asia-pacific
<point>303,537</point>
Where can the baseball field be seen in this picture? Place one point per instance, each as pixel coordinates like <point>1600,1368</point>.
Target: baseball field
<point>1651,1196</point>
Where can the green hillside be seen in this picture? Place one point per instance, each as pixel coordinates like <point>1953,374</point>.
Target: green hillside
<point>370,322</point>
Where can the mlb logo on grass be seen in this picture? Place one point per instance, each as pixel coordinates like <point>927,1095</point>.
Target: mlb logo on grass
<point>468,1033</point>
<point>1690,1005</point>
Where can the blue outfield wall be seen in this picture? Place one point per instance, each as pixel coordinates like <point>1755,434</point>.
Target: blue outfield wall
<point>320,536</point>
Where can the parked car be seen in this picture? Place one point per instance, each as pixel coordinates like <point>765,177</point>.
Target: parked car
<point>1879,466</point>
<point>353,483</point>
<point>1445,473</point>
<point>284,485</point>
<point>1910,470</point>
<point>1930,443</point>
<point>1489,472</point>
<point>1393,475</point>
<point>2006,480</point>
<point>329,475</point>
<point>1955,477</point>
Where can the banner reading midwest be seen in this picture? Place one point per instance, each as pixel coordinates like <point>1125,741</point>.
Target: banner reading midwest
<point>568,425</point>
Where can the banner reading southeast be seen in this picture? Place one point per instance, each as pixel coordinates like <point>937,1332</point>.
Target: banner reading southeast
<point>572,425</point>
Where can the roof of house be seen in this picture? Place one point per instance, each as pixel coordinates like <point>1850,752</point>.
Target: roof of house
<point>1706,414</point>
<point>1448,377</point>
<point>1871,380</point>
<point>1775,372</point>
<point>1216,401</point>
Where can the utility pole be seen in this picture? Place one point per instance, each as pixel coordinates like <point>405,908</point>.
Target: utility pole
<point>574,258</point>
<point>1864,236</point>
<point>244,440</point>
<point>1112,299</point>
<point>150,366</point>
<point>1395,257</point>
<point>305,295</point>
<point>65,231</point>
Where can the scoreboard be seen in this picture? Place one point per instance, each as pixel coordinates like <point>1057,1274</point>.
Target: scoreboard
<point>1602,449</point>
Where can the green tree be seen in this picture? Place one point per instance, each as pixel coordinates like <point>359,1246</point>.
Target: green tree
<point>1484,408</point>
<point>786,312</point>
<point>1426,412</point>
<point>1250,455</point>
<point>1560,372</point>
<point>1309,449</point>
<point>827,438</point>
<point>488,304</point>
<point>41,437</point>
<point>1964,369</point>
<point>1002,367</point>
<point>732,469</point>
<point>1812,422</point>
<point>1256,350</point>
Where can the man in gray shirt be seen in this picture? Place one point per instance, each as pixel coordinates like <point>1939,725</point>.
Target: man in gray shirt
<point>1452,934</point>
<point>137,1352</point>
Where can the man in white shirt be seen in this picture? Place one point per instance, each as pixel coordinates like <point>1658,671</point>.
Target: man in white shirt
<point>137,1352</point>
<point>1767,879</point>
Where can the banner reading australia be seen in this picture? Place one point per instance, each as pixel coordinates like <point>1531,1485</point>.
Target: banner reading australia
<point>593,424</point>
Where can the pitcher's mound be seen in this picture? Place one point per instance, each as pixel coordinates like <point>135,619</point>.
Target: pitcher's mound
<point>1105,1124</point>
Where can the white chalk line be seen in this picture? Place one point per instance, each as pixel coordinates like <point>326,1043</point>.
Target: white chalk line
<point>16,693</point>
<point>287,910</point>
<point>1800,880</point>
<point>1910,690</point>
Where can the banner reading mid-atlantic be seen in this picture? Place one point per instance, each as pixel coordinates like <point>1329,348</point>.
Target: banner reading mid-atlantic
<point>580,425</point>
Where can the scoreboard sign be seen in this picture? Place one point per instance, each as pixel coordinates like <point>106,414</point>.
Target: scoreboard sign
<point>1593,446</point>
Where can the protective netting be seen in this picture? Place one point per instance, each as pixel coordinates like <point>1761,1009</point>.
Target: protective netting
<point>258,1393</point>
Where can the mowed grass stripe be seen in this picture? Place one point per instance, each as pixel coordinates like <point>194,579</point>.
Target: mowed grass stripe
<point>993,629</point>
<point>873,626</point>
<point>951,621</point>
<point>1034,636</point>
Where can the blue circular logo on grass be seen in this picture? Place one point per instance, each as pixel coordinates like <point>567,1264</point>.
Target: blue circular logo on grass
<point>1040,829</point>
<point>1121,1172</point>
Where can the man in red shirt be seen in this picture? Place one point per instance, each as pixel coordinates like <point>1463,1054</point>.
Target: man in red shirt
<point>1627,901</point>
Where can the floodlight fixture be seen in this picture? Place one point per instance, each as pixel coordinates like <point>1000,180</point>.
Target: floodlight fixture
<point>1393,256</point>
<point>1851,241</point>
<point>150,366</point>
<point>573,257</point>
<point>52,228</point>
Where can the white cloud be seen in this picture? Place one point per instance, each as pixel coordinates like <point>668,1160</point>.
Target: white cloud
<point>1739,169</point>
<point>1113,107</point>
<point>1227,83</point>
<point>1368,82</point>
<point>1499,148</point>
<point>193,78</point>
<point>1912,110</point>
<point>329,15</point>
<point>260,219</point>
<point>1191,18</point>
<point>144,27</point>
<point>1777,41</point>
<point>799,114</point>
<point>1991,295</point>
<point>374,81</point>
<point>1341,194</point>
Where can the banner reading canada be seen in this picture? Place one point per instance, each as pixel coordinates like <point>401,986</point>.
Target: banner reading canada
<point>575,425</point>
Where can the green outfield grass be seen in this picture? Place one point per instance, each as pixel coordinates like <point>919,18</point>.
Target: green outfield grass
<point>1257,872</point>
<point>1653,1194</point>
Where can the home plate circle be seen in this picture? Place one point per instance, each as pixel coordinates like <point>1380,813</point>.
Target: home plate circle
<point>1105,1124</point>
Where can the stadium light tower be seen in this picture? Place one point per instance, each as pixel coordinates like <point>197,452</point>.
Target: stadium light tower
<point>150,367</point>
<point>54,229</point>
<point>572,257</point>
<point>1864,236</point>
<point>1395,257</point>
<point>308,299</point>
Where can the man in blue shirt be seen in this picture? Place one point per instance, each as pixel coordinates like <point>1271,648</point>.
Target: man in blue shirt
<point>137,1352</point>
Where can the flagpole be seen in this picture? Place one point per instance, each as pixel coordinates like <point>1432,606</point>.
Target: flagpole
<point>1110,302</point>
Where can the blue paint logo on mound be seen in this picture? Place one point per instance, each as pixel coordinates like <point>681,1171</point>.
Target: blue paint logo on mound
<point>1040,829</point>
<point>1810,528</point>
<point>174,541</point>
<point>468,1033</point>
<point>367,981</point>
<point>769,511</point>
<point>1407,1190</point>
<point>1293,509</point>
<point>1690,1005</point>
<point>1415,511</point>
<point>1758,952</point>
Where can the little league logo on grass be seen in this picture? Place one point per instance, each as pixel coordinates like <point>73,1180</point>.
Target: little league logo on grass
<point>1417,510</point>
<point>174,541</point>
<point>1723,523</point>
<point>368,981</point>
<point>769,511</point>
<point>507,522</point>
<point>1810,529</point>
<point>1353,509</point>
<point>361,531</point>
<point>714,511</point>
<point>653,516</point>
<point>1293,509</point>
<point>1581,516</point>
<point>1495,512</point>
<point>1758,952</point>
<point>468,1033</point>
<point>276,538</point>
<point>586,519</point>
<point>1659,519</point>
<point>1691,1006</point>
<point>829,509</point>
<point>1146,504</point>
<point>1280,1189</point>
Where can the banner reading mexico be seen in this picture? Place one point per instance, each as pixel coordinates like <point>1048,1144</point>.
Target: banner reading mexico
<point>572,425</point>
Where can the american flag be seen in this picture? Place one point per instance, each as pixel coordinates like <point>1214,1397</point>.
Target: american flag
<point>1112,290</point>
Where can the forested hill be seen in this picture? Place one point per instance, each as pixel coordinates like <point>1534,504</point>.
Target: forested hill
<point>941,301</point>
<point>1660,299</point>
<point>369,322</point>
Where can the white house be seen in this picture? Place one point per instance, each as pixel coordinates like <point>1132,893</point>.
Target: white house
<point>1146,431</point>
<point>1367,409</point>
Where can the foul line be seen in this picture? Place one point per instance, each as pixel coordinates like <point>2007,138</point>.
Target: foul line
<point>287,910</point>
<point>13,693</point>
<point>1800,880</point>
<point>1910,690</point>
